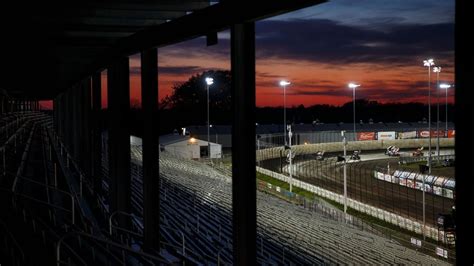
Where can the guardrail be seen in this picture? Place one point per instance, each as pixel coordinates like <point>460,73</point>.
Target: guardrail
<point>411,159</point>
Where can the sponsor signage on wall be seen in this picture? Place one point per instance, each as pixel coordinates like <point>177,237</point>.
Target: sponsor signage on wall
<point>442,252</point>
<point>434,133</point>
<point>386,135</point>
<point>423,134</point>
<point>407,135</point>
<point>451,133</point>
<point>365,135</point>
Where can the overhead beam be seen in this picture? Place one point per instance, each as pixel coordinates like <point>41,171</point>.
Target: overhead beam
<point>162,5</point>
<point>211,19</point>
<point>123,14</point>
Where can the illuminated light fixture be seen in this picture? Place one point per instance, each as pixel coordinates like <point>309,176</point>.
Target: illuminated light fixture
<point>353,85</point>
<point>428,62</point>
<point>209,81</point>
<point>192,140</point>
<point>284,83</point>
<point>444,86</point>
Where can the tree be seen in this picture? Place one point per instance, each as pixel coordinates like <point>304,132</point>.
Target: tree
<point>192,95</point>
<point>187,104</point>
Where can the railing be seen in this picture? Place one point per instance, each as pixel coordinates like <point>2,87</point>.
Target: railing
<point>411,159</point>
<point>47,203</point>
<point>106,242</point>
<point>8,235</point>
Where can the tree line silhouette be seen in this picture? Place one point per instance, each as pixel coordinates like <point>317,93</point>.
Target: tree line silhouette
<point>187,105</point>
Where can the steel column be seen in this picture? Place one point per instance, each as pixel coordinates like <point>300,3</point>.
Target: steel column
<point>119,138</point>
<point>243,144</point>
<point>151,177</point>
<point>464,66</point>
<point>96,131</point>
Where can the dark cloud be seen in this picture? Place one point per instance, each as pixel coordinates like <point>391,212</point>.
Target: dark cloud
<point>386,42</point>
<point>327,41</point>
<point>172,70</point>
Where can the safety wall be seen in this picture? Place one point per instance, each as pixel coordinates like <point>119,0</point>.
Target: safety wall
<point>367,145</point>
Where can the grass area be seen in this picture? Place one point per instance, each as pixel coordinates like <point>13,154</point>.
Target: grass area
<point>381,225</point>
<point>284,185</point>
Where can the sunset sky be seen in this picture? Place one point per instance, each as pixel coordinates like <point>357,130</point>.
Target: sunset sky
<point>379,44</point>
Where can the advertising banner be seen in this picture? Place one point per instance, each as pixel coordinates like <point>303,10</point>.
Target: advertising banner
<point>423,134</point>
<point>407,135</point>
<point>386,135</point>
<point>365,135</point>
<point>451,133</point>
<point>435,133</point>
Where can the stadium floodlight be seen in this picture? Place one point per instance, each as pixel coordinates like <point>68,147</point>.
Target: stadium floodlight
<point>446,87</point>
<point>209,82</point>
<point>437,70</point>
<point>427,63</point>
<point>353,86</point>
<point>284,83</point>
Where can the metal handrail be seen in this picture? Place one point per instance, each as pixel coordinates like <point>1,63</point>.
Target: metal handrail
<point>118,227</point>
<point>47,203</point>
<point>13,239</point>
<point>23,158</point>
<point>105,241</point>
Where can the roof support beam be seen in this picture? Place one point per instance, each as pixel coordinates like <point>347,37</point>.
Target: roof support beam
<point>96,132</point>
<point>244,195</point>
<point>119,140</point>
<point>211,19</point>
<point>151,177</point>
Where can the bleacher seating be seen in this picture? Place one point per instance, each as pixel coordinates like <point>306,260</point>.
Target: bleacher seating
<point>196,201</point>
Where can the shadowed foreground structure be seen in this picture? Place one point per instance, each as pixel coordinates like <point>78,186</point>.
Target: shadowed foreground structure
<point>56,206</point>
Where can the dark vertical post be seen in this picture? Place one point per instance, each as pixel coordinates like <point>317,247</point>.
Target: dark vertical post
<point>86,133</point>
<point>119,139</point>
<point>55,114</point>
<point>96,131</point>
<point>244,204</point>
<point>76,120</point>
<point>151,177</point>
<point>68,118</point>
<point>464,201</point>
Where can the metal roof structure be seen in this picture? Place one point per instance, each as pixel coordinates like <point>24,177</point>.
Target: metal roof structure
<point>50,46</point>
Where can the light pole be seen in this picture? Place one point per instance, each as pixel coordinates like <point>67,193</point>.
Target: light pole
<point>353,86</point>
<point>209,82</point>
<point>437,70</point>
<point>344,142</point>
<point>291,176</point>
<point>428,63</point>
<point>446,87</point>
<point>283,83</point>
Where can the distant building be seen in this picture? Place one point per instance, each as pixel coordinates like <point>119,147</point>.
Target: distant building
<point>189,147</point>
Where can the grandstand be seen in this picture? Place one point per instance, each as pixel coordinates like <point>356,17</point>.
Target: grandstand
<point>197,203</point>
